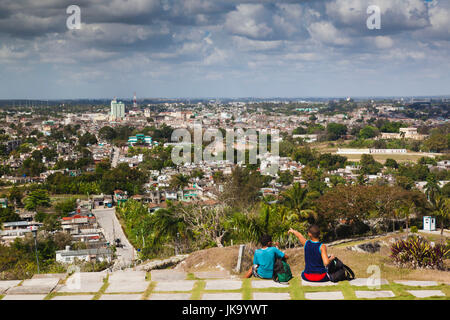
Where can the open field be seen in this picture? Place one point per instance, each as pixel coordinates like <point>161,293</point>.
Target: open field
<point>324,147</point>
<point>59,197</point>
<point>414,157</point>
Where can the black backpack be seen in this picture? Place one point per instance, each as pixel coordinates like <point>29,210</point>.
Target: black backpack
<point>338,271</point>
<point>281,271</point>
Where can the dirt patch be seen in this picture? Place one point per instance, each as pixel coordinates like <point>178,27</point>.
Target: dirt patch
<point>216,259</point>
<point>213,259</point>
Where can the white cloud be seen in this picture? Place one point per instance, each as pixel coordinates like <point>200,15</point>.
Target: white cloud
<point>383,42</point>
<point>327,33</point>
<point>249,20</point>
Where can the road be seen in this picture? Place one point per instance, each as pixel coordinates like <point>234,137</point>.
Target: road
<point>107,220</point>
<point>115,158</point>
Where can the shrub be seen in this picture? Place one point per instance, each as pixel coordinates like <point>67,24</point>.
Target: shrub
<point>414,229</point>
<point>417,252</point>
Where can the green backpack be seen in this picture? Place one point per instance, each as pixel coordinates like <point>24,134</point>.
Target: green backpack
<point>281,271</point>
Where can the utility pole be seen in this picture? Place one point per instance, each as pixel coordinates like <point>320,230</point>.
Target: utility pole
<point>34,231</point>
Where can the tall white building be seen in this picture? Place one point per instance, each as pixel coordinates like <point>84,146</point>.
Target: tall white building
<point>117,110</point>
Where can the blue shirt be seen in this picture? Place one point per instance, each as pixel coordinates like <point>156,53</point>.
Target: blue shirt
<point>265,259</point>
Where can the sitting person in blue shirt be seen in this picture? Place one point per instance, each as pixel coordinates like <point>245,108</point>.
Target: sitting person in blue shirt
<point>264,259</point>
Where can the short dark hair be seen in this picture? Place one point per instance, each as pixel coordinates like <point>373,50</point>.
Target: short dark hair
<point>314,230</point>
<point>265,239</point>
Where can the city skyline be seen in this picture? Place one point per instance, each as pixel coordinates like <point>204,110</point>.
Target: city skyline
<point>229,49</point>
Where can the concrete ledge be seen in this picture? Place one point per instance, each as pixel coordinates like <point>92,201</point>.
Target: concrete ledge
<point>222,296</point>
<point>83,282</point>
<point>212,274</point>
<point>332,295</point>
<point>263,284</point>
<point>35,286</point>
<point>170,296</point>
<point>5,285</point>
<point>361,282</point>
<point>182,285</point>
<point>426,293</point>
<point>167,275</point>
<point>271,296</point>
<point>24,297</point>
<point>318,284</point>
<point>374,294</point>
<point>413,283</point>
<point>223,285</point>
<point>74,297</point>
<point>121,297</point>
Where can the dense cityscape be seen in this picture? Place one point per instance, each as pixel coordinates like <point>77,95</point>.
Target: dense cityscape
<point>60,162</point>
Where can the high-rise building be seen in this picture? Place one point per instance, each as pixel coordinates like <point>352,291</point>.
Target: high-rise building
<point>117,110</point>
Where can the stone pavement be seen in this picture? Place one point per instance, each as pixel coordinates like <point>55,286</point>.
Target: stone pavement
<point>5,285</point>
<point>83,282</point>
<point>34,286</point>
<point>174,285</point>
<point>127,281</point>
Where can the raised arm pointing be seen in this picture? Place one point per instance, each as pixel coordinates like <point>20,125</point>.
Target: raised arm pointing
<point>300,237</point>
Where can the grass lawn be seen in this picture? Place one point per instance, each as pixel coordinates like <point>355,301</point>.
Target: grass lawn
<point>405,157</point>
<point>60,197</point>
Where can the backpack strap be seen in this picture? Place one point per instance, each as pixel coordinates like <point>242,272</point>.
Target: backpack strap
<point>350,275</point>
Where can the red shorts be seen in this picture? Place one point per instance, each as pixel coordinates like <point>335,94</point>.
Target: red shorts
<point>314,276</point>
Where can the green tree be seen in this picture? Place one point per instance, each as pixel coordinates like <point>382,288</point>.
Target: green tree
<point>15,196</point>
<point>437,142</point>
<point>63,208</point>
<point>299,130</point>
<point>8,215</point>
<point>179,181</point>
<point>37,199</point>
<point>51,223</point>
<point>369,165</point>
<point>432,187</point>
<point>296,199</point>
<point>441,208</point>
<point>368,132</point>
<point>107,133</point>
<point>391,163</point>
<point>336,131</point>
<point>285,178</point>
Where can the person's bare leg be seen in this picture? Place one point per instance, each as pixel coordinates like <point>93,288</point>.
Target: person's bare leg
<point>249,273</point>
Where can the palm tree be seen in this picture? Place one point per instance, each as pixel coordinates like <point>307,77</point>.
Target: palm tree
<point>168,225</point>
<point>405,211</point>
<point>432,187</point>
<point>179,181</point>
<point>441,207</point>
<point>296,199</point>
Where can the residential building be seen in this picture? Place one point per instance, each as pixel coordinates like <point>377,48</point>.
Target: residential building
<point>117,110</point>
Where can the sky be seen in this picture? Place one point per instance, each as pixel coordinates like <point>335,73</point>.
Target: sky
<point>223,48</point>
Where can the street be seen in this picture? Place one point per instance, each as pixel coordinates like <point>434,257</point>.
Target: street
<point>115,157</point>
<point>108,221</point>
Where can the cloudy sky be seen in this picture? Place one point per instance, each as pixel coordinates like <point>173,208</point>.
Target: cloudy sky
<point>223,48</point>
